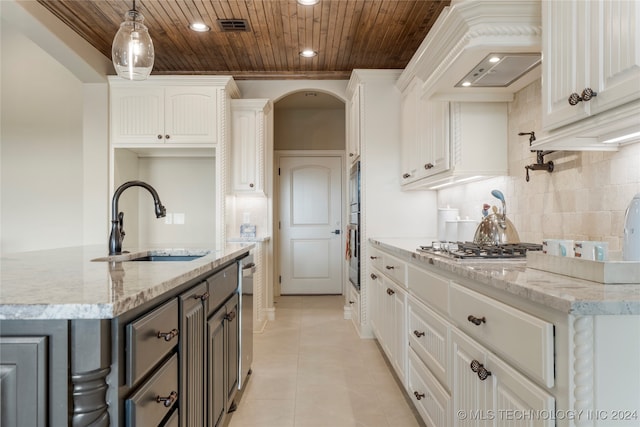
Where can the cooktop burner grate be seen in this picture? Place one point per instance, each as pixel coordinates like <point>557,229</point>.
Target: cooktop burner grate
<point>474,250</point>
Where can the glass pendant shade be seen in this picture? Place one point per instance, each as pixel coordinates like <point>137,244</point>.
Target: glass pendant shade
<point>132,49</point>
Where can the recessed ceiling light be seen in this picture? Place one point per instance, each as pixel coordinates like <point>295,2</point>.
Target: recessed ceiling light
<point>494,59</point>
<point>308,53</point>
<point>466,84</point>
<point>199,27</point>
<point>308,2</point>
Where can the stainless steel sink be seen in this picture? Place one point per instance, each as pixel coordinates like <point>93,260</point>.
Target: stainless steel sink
<point>167,258</point>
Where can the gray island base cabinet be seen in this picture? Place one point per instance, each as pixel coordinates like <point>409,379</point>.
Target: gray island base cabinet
<point>159,362</point>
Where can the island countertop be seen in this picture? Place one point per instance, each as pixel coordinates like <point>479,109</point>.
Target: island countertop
<point>562,293</point>
<point>68,283</point>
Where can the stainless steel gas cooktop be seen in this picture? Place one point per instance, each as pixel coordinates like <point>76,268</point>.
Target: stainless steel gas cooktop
<point>470,250</point>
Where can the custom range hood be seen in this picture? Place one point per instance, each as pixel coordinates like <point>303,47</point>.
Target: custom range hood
<point>480,50</point>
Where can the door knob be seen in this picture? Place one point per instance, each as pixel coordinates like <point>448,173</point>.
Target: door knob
<point>335,232</point>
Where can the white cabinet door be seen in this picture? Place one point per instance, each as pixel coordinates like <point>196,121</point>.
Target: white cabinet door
<point>247,150</point>
<point>410,147</point>
<point>354,124</point>
<point>435,126</point>
<point>470,394</point>
<point>137,115</point>
<point>191,115</point>
<point>488,392</point>
<point>589,44</point>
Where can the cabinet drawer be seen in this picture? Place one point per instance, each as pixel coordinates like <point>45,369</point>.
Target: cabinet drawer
<point>220,286</point>
<point>395,269</point>
<point>143,408</point>
<point>431,289</point>
<point>375,257</point>
<point>429,339</point>
<point>526,341</point>
<point>149,339</point>
<point>429,398</point>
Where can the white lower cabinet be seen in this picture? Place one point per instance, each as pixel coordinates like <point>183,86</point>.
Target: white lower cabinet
<point>488,392</point>
<point>390,321</point>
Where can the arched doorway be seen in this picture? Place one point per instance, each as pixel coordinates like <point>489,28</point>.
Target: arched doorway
<point>309,159</point>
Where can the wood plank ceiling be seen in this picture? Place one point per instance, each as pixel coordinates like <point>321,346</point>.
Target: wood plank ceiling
<point>347,34</point>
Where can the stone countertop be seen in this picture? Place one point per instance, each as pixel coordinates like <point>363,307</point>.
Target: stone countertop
<point>69,283</point>
<point>562,293</point>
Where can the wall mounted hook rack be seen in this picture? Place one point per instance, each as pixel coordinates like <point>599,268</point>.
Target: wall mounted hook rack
<point>540,163</point>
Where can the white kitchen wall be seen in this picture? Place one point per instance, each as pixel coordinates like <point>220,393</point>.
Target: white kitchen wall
<point>585,197</point>
<point>53,139</point>
<point>41,149</point>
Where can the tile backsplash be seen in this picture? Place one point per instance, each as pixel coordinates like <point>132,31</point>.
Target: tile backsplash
<point>584,198</point>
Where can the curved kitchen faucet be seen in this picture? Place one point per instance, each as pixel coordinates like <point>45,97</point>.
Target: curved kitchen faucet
<point>117,230</point>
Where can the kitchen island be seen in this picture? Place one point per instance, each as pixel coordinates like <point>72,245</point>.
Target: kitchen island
<point>99,335</point>
<point>496,341</point>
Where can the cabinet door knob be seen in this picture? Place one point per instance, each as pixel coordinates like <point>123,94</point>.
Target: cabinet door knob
<point>587,94</point>
<point>476,320</point>
<point>230,316</point>
<point>406,175</point>
<point>168,336</point>
<point>390,291</point>
<point>251,185</point>
<point>373,276</point>
<point>351,302</point>
<point>350,154</point>
<point>418,333</point>
<point>428,166</point>
<point>390,267</point>
<point>169,400</point>
<point>202,297</point>
<point>418,395</point>
<point>167,136</point>
<point>479,369</point>
<point>159,136</point>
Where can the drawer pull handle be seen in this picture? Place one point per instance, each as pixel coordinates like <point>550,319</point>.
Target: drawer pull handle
<point>476,320</point>
<point>418,333</point>
<point>168,336</point>
<point>390,291</point>
<point>373,276</point>
<point>351,302</point>
<point>587,94</point>
<point>202,297</point>
<point>479,369</point>
<point>373,257</point>
<point>230,316</point>
<point>169,400</point>
<point>406,175</point>
<point>428,166</point>
<point>418,396</point>
<point>389,267</point>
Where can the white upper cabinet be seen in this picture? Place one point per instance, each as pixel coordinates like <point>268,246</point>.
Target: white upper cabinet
<point>591,72</point>
<point>460,142</point>
<point>174,110</point>
<point>164,115</point>
<point>250,126</point>
<point>424,135</point>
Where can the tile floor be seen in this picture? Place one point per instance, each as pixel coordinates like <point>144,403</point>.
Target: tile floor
<point>310,369</point>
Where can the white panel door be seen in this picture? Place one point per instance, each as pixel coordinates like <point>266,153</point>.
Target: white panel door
<point>310,214</point>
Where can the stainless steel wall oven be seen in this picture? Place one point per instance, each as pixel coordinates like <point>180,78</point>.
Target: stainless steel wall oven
<point>353,239</point>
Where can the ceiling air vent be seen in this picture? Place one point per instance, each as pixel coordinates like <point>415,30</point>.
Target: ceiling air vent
<point>233,24</point>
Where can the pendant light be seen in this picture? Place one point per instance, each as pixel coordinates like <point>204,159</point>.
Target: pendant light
<point>132,49</point>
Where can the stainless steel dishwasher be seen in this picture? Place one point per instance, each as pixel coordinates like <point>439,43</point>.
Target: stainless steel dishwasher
<point>246,318</point>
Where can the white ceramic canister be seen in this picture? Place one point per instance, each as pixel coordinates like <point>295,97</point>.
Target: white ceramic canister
<point>444,215</point>
<point>631,238</point>
<point>451,231</point>
<point>467,229</point>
